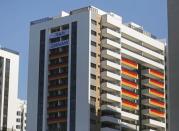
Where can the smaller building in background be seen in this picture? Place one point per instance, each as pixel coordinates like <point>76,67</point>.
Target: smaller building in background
<point>21,115</point>
<point>9,74</point>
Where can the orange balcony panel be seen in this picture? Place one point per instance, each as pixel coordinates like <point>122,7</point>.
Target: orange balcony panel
<point>51,67</point>
<point>157,113</point>
<point>130,73</point>
<point>128,83</point>
<point>58,55</point>
<point>156,93</point>
<point>129,94</point>
<point>57,87</point>
<point>157,103</point>
<point>130,104</point>
<point>59,76</point>
<point>156,83</point>
<point>129,63</point>
<point>56,98</point>
<point>56,120</point>
<point>50,110</point>
<point>156,73</point>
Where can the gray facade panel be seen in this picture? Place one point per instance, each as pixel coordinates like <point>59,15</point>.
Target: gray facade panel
<point>173,53</point>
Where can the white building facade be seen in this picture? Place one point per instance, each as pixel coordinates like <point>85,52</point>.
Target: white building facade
<point>90,72</point>
<point>21,115</point>
<point>9,70</point>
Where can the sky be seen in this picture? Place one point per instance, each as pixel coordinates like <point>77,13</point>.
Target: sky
<point>15,16</point>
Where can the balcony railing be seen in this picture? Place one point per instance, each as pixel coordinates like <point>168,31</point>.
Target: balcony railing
<point>57,98</point>
<point>59,65</point>
<point>58,87</point>
<point>58,55</point>
<point>129,105</point>
<point>129,94</point>
<point>57,109</point>
<point>56,120</point>
<point>58,76</point>
<point>128,83</point>
<point>129,63</point>
<point>129,73</point>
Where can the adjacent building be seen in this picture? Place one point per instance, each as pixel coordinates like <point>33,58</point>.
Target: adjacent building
<point>21,115</point>
<point>9,69</point>
<point>89,71</point>
<point>173,46</point>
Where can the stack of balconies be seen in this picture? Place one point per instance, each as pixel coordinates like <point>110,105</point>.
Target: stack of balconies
<point>57,81</point>
<point>154,100</point>
<point>130,97</point>
<point>110,76</point>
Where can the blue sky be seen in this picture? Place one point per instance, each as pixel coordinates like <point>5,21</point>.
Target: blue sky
<point>15,16</point>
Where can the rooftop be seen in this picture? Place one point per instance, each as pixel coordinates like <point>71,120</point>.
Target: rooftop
<point>9,50</point>
<point>131,25</point>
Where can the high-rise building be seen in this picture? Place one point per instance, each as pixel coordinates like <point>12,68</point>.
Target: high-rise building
<point>21,115</point>
<point>173,64</point>
<point>88,71</point>
<point>9,69</point>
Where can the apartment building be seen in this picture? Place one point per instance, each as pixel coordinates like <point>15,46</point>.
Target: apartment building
<point>21,115</point>
<point>88,71</point>
<point>173,63</point>
<point>9,69</point>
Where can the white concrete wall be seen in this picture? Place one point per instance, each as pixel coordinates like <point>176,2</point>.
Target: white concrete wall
<point>82,104</point>
<point>13,87</point>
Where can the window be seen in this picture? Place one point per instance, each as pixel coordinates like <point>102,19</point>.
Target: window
<point>93,32</point>
<point>93,87</point>
<point>93,65</point>
<point>93,22</point>
<point>93,54</point>
<point>93,43</point>
<point>93,76</point>
<point>18,120</point>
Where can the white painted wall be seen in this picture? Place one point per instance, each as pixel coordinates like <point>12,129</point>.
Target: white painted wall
<point>13,87</point>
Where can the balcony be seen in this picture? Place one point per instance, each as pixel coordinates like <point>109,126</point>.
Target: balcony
<point>153,83</point>
<point>58,55</point>
<point>129,127</point>
<point>129,94</point>
<point>111,108</point>
<point>153,103</point>
<point>56,98</point>
<point>110,65</point>
<point>55,66</point>
<point>59,76</point>
<point>110,98</point>
<point>129,63</point>
<point>129,105</point>
<point>57,87</point>
<point>57,109</point>
<point>153,113</point>
<point>129,116</point>
<point>110,119</point>
<point>153,123</point>
<point>109,44</point>
<point>153,93</point>
<point>110,55</point>
<point>56,120</point>
<point>142,59</point>
<point>108,33</point>
<point>129,84</point>
<point>110,76</point>
<point>110,87</point>
<point>129,74</point>
<point>111,21</point>
<point>153,74</point>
